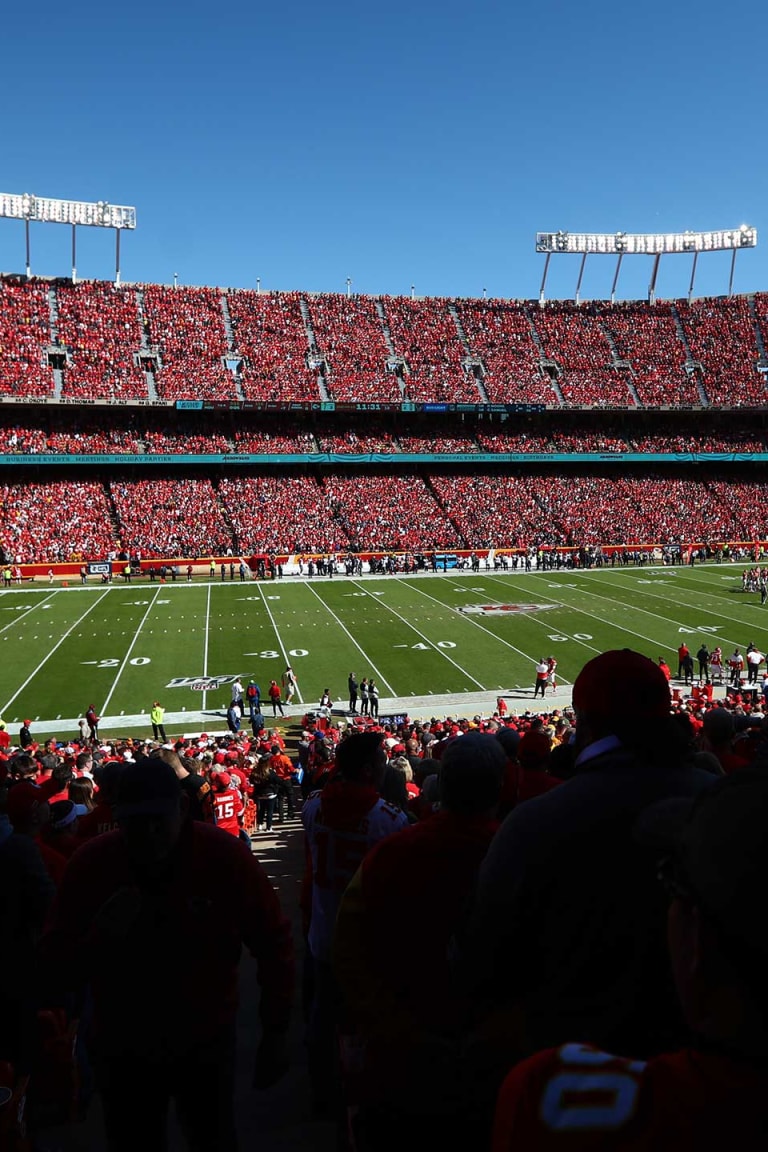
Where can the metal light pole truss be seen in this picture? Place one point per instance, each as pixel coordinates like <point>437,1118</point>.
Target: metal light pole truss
<point>654,244</point>
<point>42,210</point>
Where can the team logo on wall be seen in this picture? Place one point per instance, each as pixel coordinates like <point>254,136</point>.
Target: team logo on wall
<point>502,609</point>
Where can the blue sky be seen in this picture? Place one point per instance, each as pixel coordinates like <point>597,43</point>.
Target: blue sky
<point>409,143</point>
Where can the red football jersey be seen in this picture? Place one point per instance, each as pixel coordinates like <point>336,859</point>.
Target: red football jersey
<point>229,809</point>
<point>577,1098</point>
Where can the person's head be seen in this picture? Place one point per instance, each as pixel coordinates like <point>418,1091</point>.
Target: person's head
<point>715,867</point>
<point>23,767</point>
<point>719,727</point>
<point>400,764</point>
<point>27,809</point>
<point>361,759</point>
<point>84,762</point>
<point>393,788</point>
<point>63,818</point>
<point>509,740</point>
<point>150,809</point>
<point>107,777</point>
<point>471,774</point>
<point>621,693</point>
<point>62,774</point>
<point>81,792</point>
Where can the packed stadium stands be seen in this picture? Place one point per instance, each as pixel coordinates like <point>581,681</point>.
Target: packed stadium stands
<point>203,343</point>
<point>424,334</point>
<point>349,334</point>
<point>25,333</point>
<point>187,326</point>
<point>99,326</point>
<point>625,378</point>
<point>270,335</point>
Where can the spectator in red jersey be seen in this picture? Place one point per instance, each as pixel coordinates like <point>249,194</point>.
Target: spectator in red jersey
<point>593,963</point>
<point>665,668</point>
<point>411,1026</point>
<point>712,1093</point>
<point>228,801</point>
<point>282,766</point>
<point>29,812</point>
<point>102,818</point>
<point>5,737</point>
<point>133,909</point>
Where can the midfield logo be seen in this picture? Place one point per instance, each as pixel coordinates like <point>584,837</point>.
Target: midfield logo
<point>502,609</point>
<point>200,683</point>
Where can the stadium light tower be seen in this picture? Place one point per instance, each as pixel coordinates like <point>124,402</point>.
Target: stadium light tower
<point>621,244</point>
<point>42,210</point>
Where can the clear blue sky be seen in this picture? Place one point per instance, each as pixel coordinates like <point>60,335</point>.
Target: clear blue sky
<point>412,142</point>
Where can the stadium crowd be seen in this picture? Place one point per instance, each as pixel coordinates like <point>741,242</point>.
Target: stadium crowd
<point>424,334</point>
<point>623,355</point>
<point>577,342</point>
<point>25,333</point>
<point>187,325</point>
<point>289,514</point>
<point>433,847</point>
<point>161,517</point>
<point>99,326</point>
<point>270,335</point>
<point>349,334</point>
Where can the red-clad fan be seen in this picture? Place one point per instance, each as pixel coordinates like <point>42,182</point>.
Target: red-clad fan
<point>5,739</point>
<point>102,818</point>
<point>29,812</point>
<point>714,1093</point>
<point>153,918</point>
<point>228,802</point>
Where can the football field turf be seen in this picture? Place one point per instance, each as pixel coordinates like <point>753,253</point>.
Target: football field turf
<point>467,637</point>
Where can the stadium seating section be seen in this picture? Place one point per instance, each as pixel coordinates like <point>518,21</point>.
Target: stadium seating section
<point>373,511</point>
<point>121,343</point>
<point>608,374</point>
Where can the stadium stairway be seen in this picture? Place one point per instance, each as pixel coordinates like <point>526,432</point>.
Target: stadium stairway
<point>471,363</point>
<point>549,368</point>
<point>619,363</point>
<point>233,361</point>
<point>693,367</point>
<point>762,362</point>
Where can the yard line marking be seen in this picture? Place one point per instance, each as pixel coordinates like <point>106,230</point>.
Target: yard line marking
<point>659,644</point>
<point>43,662</point>
<point>361,650</point>
<point>279,638</point>
<point>128,653</point>
<point>701,590</point>
<point>667,619</point>
<point>527,615</point>
<point>17,619</point>
<point>431,643</point>
<point>205,649</point>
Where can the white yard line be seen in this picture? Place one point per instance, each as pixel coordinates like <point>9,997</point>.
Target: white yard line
<point>18,619</point>
<point>279,640</point>
<point>121,669</point>
<point>667,619</point>
<point>426,639</point>
<point>526,615</point>
<point>710,611</point>
<point>205,650</point>
<point>362,651</point>
<point>43,662</point>
<point>611,623</point>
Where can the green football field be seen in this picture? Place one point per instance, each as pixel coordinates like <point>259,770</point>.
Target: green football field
<point>458,638</point>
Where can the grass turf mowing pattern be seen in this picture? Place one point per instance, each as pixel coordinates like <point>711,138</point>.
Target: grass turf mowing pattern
<point>119,648</point>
